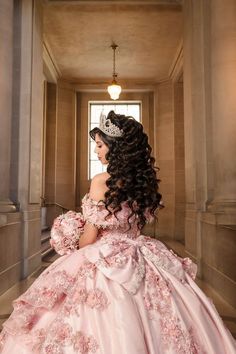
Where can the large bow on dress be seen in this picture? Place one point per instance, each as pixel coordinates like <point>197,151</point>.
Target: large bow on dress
<point>123,260</point>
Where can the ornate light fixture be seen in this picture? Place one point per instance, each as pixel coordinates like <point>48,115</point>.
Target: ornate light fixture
<point>114,89</point>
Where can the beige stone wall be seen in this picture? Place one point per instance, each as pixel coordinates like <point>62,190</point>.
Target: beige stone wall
<point>219,220</point>
<point>50,150</point>
<point>196,114</point>
<point>218,256</point>
<point>179,157</point>
<point>65,147</point>
<point>210,145</point>
<point>223,98</point>
<point>10,256</point>
<point>20,231</point>
<point>6,62</point>
<point>30,132</point>
<point>60,152</point>
<point>36,109</point>
<point>164,135</point>
<point>168,144</point>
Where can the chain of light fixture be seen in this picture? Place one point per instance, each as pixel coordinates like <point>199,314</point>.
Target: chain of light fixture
<point>114,46</point>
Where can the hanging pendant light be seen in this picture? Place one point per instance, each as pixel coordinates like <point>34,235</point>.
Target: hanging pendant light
<point>114,89</point>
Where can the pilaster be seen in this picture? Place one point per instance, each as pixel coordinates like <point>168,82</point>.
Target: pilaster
<point>6,63</point>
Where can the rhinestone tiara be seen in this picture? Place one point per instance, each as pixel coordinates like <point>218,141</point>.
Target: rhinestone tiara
<point>107,127</point>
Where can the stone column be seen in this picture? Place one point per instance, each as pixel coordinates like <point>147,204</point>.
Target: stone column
<point>30,132</point>
<point>6,58</point>
<point>223,73</point>
<point>210,130</point>
<point>196,114</point>
<point>164,135</point>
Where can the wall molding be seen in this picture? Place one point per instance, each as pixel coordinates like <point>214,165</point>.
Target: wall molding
<point>176,68</point>
<point>50,68</point>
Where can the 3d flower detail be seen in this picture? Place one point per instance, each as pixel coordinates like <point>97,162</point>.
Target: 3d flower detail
<point>66,231</point>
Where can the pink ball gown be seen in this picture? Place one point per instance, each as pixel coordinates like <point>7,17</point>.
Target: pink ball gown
<point>124,294</point>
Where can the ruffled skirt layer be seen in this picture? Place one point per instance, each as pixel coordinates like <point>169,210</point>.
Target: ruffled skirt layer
<point>122,296</point>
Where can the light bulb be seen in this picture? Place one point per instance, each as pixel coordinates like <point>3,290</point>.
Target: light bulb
<point>114,91</point>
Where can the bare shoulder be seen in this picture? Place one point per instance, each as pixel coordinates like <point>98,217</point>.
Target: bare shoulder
<point>98,186</point>
<point>101,177</point>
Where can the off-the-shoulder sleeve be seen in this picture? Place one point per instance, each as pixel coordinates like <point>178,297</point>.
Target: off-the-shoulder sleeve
<point>96,214</point>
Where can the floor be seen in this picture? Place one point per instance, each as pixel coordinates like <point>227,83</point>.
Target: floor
<point>227,312</point>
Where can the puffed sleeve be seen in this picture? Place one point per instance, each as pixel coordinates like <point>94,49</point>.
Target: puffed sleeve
<point>95,213</point>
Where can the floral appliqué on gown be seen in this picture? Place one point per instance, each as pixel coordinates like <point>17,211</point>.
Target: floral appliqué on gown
<point>124,294</point>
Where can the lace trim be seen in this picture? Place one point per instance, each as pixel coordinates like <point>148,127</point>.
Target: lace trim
<point>93,298</point>
<point>96,214</point>
<point>157,297</point>
<point>47,290</point>
<point>44,295</point>
<point>91,201</point>
<point>3,337</point>
<point>61,335</point>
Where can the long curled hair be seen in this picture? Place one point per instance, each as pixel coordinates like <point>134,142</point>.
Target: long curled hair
<point>133,177</point>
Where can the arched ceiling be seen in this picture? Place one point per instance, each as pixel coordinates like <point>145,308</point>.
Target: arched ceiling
<point>78,35</point>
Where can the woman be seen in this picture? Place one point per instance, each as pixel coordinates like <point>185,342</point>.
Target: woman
<point>121,292</point>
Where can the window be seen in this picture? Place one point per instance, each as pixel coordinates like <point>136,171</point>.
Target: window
<point>129,109</point>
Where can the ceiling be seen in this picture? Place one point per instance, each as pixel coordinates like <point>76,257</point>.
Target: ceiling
<point>78,36</point>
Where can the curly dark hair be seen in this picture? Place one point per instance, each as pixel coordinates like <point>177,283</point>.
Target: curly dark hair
<point>131,168</point>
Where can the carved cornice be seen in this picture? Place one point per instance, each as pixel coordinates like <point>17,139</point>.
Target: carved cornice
<point>116,2</point>
<point>176,68</point>
<point>51,69</point>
